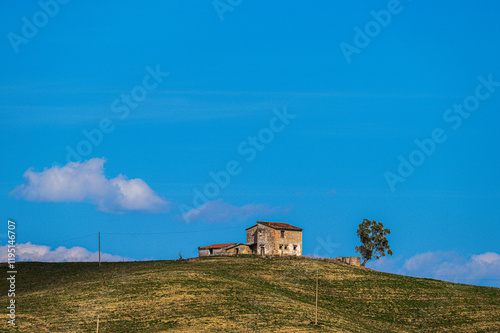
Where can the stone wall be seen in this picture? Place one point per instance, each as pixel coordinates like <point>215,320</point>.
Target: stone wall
<point>213,252</point>
<point>239,249</point>
<point>355,261</point>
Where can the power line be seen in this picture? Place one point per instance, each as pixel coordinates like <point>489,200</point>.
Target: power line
<point>165,233</point>
<point>140,233</point>
<point>67,240</point>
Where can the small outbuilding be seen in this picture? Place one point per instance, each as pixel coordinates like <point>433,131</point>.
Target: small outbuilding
<point>214,249</point>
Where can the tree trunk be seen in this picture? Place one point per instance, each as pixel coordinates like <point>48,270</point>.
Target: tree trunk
<point>364,262</point>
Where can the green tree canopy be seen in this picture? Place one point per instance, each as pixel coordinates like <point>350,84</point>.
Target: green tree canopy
<point>373,241</point>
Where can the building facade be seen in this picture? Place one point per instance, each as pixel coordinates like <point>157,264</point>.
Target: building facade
<point>264,238</point>
<point>274,238</point>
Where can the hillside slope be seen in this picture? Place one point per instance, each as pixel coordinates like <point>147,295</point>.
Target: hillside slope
<point>242,294</point>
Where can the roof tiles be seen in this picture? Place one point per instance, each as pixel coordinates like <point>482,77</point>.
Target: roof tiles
<point>279,225</point>
<point>217,246</point>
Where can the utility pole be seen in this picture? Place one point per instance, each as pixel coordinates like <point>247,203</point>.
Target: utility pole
<point>317,275</point>
<point>99,241</point>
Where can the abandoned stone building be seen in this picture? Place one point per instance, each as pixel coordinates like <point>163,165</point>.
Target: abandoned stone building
<point>264,238</point>
<point>355,261</point>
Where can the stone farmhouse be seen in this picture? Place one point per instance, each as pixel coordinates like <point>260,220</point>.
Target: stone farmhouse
<point>264,238</point>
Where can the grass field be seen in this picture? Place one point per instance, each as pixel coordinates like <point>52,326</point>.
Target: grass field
<point>245,294</point>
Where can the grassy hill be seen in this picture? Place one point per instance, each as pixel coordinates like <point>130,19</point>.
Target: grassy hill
<point>241,294</point>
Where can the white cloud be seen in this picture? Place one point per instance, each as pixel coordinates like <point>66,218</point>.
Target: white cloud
<point>219,211</point>
<point>33,252</point>
<point>482,269</point>
<point>85,181</point>
<point>488,257</point>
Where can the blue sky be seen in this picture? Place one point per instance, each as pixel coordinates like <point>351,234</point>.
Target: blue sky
<point>314,135</point>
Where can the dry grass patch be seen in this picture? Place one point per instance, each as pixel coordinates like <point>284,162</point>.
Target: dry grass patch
<point>243,294</point>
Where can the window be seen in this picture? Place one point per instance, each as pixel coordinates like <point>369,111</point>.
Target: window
<point>281,246</point>
<point>282,234</point>
<point>211,251</point>
<point>295,247</point>
<point>286,247</point>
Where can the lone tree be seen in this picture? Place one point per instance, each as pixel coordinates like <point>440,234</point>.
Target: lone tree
<point>373,242</point>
